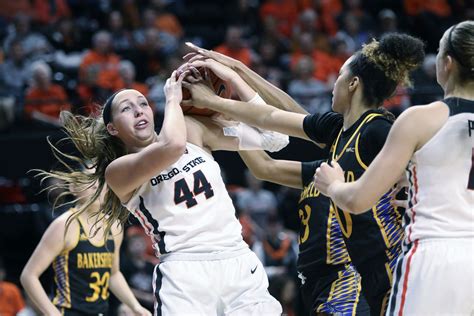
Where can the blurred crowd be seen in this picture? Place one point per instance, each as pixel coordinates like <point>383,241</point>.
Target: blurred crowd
<point>71,54</point>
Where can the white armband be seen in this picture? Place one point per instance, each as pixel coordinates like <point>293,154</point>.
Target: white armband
<point>253,138</point>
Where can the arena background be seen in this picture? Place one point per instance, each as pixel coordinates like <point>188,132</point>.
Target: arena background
<point>297,45</point>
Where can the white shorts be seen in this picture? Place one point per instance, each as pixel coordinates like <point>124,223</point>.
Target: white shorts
<point>434,277</point>
<point>234,286</point>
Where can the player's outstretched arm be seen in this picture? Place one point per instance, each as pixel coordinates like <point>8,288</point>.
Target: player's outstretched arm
<point>264,167</point>
<point>117,283</point>
<point>270,93</point>
<point>51,245</point>
<point>259,115</point>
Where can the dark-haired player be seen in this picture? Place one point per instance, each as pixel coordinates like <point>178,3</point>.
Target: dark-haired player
<point>354,134</point>
<point>435,143</point>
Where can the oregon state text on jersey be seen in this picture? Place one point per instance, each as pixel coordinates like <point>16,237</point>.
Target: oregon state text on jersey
<point>81,281</point>
<point>186,209</point>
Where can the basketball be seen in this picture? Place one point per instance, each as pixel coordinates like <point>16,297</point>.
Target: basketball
<point>221,88</point>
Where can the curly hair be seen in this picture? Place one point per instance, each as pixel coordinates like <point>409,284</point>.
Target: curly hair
<point>385,64</point>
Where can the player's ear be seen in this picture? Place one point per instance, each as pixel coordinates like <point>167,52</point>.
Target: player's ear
<point>111,129</point>
<point>354,83</point>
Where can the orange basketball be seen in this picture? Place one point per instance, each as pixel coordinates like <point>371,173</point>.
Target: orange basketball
<point>222,89</point>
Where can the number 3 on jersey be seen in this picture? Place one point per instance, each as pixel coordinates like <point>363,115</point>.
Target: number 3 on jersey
<point>182,193</point>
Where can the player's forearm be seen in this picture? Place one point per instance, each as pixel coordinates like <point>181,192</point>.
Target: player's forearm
<point>243,90</point>
<point>174,126</point>
<point>119,286</point>
<point>37,294</point>
<point>270,93</point>
<point>350,197</point>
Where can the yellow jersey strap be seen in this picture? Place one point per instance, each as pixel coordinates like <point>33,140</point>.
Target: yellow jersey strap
<point>367,119</point>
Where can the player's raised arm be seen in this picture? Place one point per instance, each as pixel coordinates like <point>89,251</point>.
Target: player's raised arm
<point>258,115</point>
<point>131,121</point>
<point>270,93</point>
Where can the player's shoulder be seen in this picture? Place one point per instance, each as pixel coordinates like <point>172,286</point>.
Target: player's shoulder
<point>65,219</point>
<point>419,114</point>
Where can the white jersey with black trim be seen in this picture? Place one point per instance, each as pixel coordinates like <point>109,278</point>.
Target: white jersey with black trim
<point>441,176</point>
<point>187,211</point>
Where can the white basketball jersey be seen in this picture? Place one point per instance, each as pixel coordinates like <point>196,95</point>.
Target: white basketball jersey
<point>187,211</point>
<point>441,175</point>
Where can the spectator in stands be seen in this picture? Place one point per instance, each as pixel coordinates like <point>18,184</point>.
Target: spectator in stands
<point>352,27</point>
<point>35,45</point>
<point>99,70</point>
<point>127,73</point>
<point>48,12</point>
<point>234,46</point>
<point>45,100</point>
<point>121,38</point>
<point>11,300</point>
<point>157,83</point>
<point>309,92</point>
<point>67,37</point>
<point>324,65</point>
<point>166,21</point>
<point>285,13</point>
<point>168,43</point>
<point>256,201</point>
<point>399,101</point>
<point>149,56</point>
<point>429,19</point>
<point>8,9</point>
<point>14,75</point>
<point>426,88</point>
<point>307,23</point>
<point>137,266</point>
<point>388,22</point>
<point>279,259</point>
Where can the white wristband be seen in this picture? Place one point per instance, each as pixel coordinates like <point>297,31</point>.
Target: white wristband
<point>257,99</point>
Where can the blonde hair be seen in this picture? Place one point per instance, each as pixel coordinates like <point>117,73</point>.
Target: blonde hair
<point>97,149</point>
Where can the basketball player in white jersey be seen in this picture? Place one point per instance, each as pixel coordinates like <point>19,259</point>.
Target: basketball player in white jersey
<point>435,143</point>
<point>172,184</point>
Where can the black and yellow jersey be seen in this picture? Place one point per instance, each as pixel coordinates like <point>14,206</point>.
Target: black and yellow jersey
<point>373,239</point>
<point>321,246</point>
<point>330,284</point>
<point>81,276</point>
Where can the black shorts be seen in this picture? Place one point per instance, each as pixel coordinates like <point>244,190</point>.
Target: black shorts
<point>376,288</point>
<point>335,293</point>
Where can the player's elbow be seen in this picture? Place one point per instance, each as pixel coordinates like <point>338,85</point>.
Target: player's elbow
<point>261,174</point>
<point>25,277</point>
<point>354,206</point>
<point>175,148</point>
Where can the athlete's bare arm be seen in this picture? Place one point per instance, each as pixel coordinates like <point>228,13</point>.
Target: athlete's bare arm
<point>264,167</point>
<point>51,245</point>
<point>270,93</point>
<point>409,133</point>
<point>127,173</point>
<point>117,284</point>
